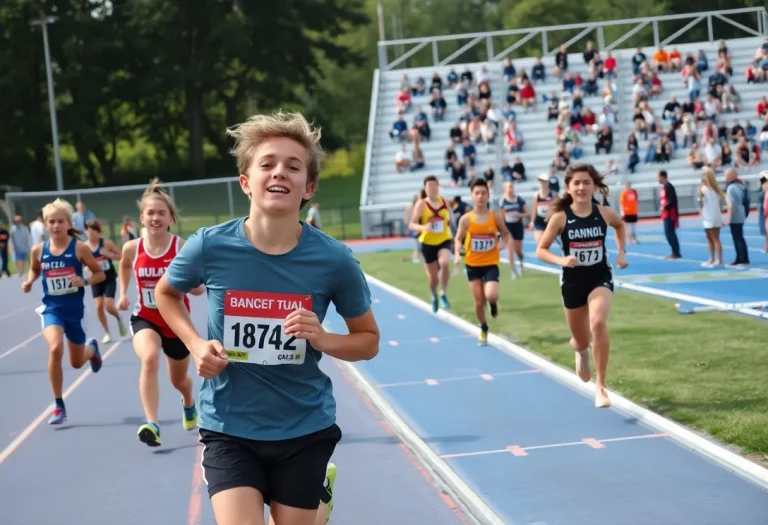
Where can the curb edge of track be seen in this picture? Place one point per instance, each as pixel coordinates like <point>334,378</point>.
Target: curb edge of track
<point>446,478</point>
<point>730,461</point>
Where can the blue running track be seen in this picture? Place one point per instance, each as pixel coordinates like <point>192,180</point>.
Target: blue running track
<point>533,449</point>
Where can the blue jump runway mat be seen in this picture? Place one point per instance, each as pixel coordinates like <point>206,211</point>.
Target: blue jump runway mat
<point>535,450</point>
<point>93,469</point>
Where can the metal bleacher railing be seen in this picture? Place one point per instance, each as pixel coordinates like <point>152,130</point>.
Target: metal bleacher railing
<point>413,55</point>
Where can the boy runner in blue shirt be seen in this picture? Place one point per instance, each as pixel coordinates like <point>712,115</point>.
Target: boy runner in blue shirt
<point>267,411</point>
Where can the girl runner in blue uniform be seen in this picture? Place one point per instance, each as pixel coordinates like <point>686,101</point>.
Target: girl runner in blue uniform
<point>267,410</point>
<point>60,259</point>
<point>104,251</point>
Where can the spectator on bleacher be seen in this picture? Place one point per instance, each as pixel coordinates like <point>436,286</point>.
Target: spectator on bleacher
<point>590,86</point>
<point>693,83</point>
<point>402,162</point>
<point>474,130</point>
<point>403,101</point>
<point>604,140</point>
<point>609,92</point>
<point>404,82</point>
<point>695,160</point>
<point>561,62</point>
<point>731,100</point>
<point>569,82</point>
<point>419,87</point>
<point>735,215</point>
<point>509,70</point>
<point>639,92</point>
<point>538,73</point>
<point>633,156</point>
<point>492,114</point>
<point>762,107</point>
<point>637,60</point>
<point>513,92</point>
<point>736,132</point>
<point>438,105</point>
<point>553,108</point>
<point>489,175</point>
<point>483,76</point>
<point>609,66</point>
<point>607,117</point>
<point>458,172</point>
<point>466,77</point>
<point>589,52</point>
<point>641,126</point>
<point>661,60</point>
<point>462,95</point>
<point>484,91</point>
<point>469,153</point>
<point>754,73</point>
<point>455,132</point>
<point>417,157</point>
<point>742,157</point>
<point>675,60</point>
<point>588,120</point>
<point>487,133</point>
<point>724,61</point>
<point>656,88</point>
<point>399,128</point>
<point>452,79</point>
<point>421,125</point>
<point>670,108</point>
<point>437,83</point>
<point>562,158</point>
<point>726,155</point>
<point>712,108</point>
<point>711,152</point>
<point>663,148</point>
<point>450,156</point>
<point>518,170</point>
<point>702,63</point>
<point>527,95</point>
<point>513,137</point>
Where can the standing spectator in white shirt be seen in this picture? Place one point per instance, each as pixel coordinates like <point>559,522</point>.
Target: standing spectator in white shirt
<point>38,231</point>
<point>313,215</point>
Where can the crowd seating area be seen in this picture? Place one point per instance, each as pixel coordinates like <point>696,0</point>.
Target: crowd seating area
<point>396,171</point>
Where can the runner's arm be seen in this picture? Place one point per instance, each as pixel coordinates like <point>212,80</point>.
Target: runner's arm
<point>184,274</point>
<point>126,264</point>
<point>34,263</point>
<point>200,289</point>
<point>417,211</point>
<point>85,255</point>
<point>613,220</point>
<point>506,238</point>
<point>112,251</point>
<point>554,227</point>
<point>533,210</point>
<point>461,232</point>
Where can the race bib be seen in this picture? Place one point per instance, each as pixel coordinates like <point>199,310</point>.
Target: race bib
<point>104,263</point>
<point>253,328</point>
<point>59,281</point>
<point>437,225</point>
<point>511,216</point>
<point>542,210</point>
<point>148,298</point>
<point>587,253</point>
<point>482,243</point>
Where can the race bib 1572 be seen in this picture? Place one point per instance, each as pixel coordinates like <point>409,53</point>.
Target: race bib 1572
<point>59,281</point>
<point>586,253</point>
<point>253,327</point>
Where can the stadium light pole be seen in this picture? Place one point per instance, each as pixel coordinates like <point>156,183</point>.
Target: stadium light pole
<point>43,23</point>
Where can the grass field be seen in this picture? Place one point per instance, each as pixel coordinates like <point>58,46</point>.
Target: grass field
<point>707,371</point>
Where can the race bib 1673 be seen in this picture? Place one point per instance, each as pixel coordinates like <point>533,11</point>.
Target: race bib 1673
<point>253,327</point>
<point>587,253</point>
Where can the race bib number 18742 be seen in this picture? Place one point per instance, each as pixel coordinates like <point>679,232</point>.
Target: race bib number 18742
<point>253,327</point>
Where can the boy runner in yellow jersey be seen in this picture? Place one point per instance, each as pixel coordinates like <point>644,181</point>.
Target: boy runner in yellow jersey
<point>432,218</point>
<point>478,232</point>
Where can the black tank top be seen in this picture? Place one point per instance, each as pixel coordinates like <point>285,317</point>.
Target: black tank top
<point>584,238</point>
<point>105,263</point>
<point>542,207</point>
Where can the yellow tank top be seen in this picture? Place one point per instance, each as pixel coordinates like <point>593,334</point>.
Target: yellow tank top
<point>439,222</point>
<point>481,242</point>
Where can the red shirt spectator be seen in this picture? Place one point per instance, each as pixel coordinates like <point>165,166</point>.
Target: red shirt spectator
<point>762,107</point>
<point>609,64</point>
<point>588,118</point>
<point>527,91</point>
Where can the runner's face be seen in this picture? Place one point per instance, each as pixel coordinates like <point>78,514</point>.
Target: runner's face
<point>509,189</point>
<point>93,235</point>
<point>581,187</point>
<point>155,216</point>
<point>277,178</point>
<point>433,189</point>
<point>57,224</point>
<point>480,197</point>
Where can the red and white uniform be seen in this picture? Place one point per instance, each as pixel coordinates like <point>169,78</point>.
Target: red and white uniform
<point>148,269</point>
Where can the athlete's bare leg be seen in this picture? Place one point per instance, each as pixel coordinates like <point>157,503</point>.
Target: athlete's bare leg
<point>599,306</point>
<point>578,324</point>
<point>238,506</point>
<point>443,260</point>
<point>432,277</point>
<point>319,518</point>
<point>146,344</point>
<point>54,336</point>
<point>478,294</point>
<point>99,302</point>
<point>177,373</point>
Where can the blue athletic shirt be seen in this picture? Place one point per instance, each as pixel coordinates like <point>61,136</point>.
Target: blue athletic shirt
<point>272,388</point>
<point>57,272</point>
<point>517,205</point>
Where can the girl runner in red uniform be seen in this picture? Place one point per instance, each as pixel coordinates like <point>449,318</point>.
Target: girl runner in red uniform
<point>147,258</point>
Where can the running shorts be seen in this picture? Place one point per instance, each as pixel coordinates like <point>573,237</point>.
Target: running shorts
<point>484,273</point>
<point>290,471</point>
<point>73,328</point>
<point>431,252</point>
<point>629,219</point>
<point>105,289</point>
<point>516,230</point>
<point>575,294</point>
<point>173,347</point>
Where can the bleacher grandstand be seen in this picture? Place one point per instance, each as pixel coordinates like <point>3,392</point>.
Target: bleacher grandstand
<point>386,191</point>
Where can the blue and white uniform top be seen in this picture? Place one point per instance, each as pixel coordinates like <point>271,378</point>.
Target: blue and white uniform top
<point>57,272</point>
<point>510,207</point>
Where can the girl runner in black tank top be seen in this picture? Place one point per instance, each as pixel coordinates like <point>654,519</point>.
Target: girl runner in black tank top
<point>586,281</point>
<point>105,291</point>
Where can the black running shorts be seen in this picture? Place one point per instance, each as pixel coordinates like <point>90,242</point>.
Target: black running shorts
<point>576,293</point>
<point>290,472</point>
<point>630,219</point>
<point>482,273</point>
<point>173,347</point>
<point>104,289</point>
<point>431,252</point>
<point>516,230</point>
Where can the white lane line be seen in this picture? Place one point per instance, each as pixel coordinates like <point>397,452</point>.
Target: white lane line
<point>20,345</point>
